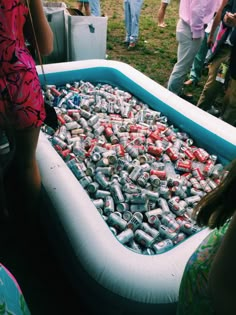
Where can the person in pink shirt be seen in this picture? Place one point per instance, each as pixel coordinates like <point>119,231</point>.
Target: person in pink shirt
<point>193,18</point>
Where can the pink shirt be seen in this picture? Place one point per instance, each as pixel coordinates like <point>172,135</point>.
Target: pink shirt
<point>197,13</point>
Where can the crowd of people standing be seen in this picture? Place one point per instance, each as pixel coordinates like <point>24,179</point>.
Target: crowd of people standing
<point>205,34</point>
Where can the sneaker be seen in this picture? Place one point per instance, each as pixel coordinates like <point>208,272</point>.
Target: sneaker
<point>213,111</point>
<point>132,45</point>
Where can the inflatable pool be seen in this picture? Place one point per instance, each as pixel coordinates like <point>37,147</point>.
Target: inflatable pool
<point>115,279</point>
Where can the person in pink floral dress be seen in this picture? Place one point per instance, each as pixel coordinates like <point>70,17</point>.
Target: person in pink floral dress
<point>21,101</point>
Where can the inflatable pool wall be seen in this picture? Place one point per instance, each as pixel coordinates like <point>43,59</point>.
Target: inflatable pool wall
<point>112,275</point>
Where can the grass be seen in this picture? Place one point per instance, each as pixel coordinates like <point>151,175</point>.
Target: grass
<point>155,54</point>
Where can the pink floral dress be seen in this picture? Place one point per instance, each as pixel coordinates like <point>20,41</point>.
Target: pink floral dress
<point>21,100</point>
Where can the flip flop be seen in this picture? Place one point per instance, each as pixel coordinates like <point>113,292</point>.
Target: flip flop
<point>163,25</point>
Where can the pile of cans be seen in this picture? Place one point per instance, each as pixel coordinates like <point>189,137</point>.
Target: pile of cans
<point>143,174</point>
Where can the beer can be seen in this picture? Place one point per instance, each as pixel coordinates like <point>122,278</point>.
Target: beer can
<point>98,203</point>
<point>150,230</point>
<point>125,236</point>
<point>135,247</point>
<point>143,238</point>
<point>92,187</point>
<point>142,207</point>
<point>134,223</point>
<point>116,221</point>
<point>163,246</point>
<point>167,232</point>
<point>109,205</point>
<point>122,207</point>
<point>148,251</point>
<point>126,215</point>
<point>170,223</point>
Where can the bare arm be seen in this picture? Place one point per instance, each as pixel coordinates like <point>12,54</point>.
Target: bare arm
<point>215,23</point>
<point>43,31</point>
<point>222,276</point>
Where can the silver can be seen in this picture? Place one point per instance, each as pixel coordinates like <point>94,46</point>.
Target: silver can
<point>125,236</point>
<point>163,246</point>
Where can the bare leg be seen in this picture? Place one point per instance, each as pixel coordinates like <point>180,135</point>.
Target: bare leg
<point>87,8</point>
<point>80,6</point>
<point>161,14</point>
<point>24,169</point>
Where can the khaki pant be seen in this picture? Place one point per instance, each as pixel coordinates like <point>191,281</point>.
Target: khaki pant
<point>229,103</point>
<point>212,87</point>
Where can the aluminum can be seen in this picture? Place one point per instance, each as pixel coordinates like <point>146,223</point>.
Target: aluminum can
<point>155,180</point>
<point>167,232</point>
<point>134,223</point>
<point>151,231</point>
<point>125,236</point>
<point>195,183</point>
<point>135,247</point>
<point>179,238</point>
<point>142,179</point>
<point>148,251</point>
<point>163,246</point>
<point>72,125</point>
<point>117,193</point>
<point>116,221</point>
<point>131,188</point>
<point>152,195</point>
<point>183,165</point>
<point>170,223</point>
<point>136,172</point>
<point>143,207</point>
<point>101,179</point>
<point>102,193</point>
<point>98,203</point>
<point>85,181</point>
<point>127,215</point>
<point>109,205</point>
<point>122,207</point>
<point>58,141</point>
<point>189,228</point>
<point>192,199</point>
<point>133,152</point>
<point>113,230</point>
<point>143,238</point>
<point>160,174</point>
<point>154,221</point>
<point>92,187</point>
<point>137,198</point>
<point>155,212</point>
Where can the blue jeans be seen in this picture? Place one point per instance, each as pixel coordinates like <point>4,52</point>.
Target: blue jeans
<point>132,9</point>
<point>95,7</point>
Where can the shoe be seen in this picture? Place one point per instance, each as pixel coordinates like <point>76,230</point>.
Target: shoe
<point>163,25</point>
<point>190,82</point>
<point>213,111</point>
<point>132,45</point>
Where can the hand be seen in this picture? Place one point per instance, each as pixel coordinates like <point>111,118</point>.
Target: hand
<point>230,19</point>
<point>210,42</point>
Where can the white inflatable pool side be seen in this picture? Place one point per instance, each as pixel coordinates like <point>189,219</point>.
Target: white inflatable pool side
<point>140,278</point>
